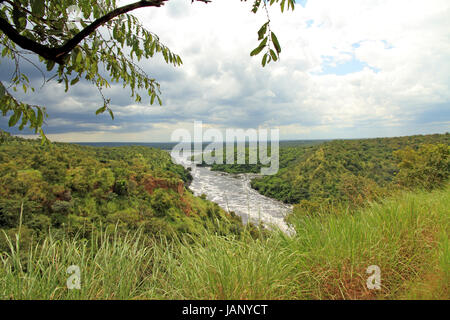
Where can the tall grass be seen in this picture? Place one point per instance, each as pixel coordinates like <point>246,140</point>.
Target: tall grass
<point>407,237</point>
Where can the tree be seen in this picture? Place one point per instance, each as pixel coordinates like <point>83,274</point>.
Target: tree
<point>428,167</point>
<point>104,34</point>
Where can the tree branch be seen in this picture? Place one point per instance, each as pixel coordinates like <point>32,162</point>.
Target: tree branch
<point>72,43</point>
<point>57,54</point>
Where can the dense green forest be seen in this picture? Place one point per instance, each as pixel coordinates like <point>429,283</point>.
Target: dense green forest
<point>287,151</point>
<point>80,188</point>
<point>352,171</point>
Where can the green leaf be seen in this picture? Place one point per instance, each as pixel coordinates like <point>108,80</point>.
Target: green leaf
<point>100,110</point>
<point>40,117</point>
<point>273,55</point>
<point>79,57</point>
<point>259,48</point>
<point>256,51</point>
<point>5,51</point>
<point>262,31</point>
<point>2,90</point>
<point>166,57</point>
<point>264,60</point>
<point>19,19</point>
<point>292,3</point>
<point>44,139</point>
<point>32,116</point>
<point>152,48</point>
<point>74,81</point>
<point>275,42</point>
<point>24,122</point>
<point>14,118</point>
<point>37,7</point>
<point>50,65</point>
<point>111,114</point>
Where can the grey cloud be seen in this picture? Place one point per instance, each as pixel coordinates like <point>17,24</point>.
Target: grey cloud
<point>222,87</point>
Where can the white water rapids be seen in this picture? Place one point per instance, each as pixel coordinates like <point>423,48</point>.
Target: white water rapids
<point>233,192</point>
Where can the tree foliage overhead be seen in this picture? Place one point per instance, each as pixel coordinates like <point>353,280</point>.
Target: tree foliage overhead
<point>76,39</point>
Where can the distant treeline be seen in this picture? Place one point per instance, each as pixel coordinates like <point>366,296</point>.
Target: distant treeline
<point>171,145</point>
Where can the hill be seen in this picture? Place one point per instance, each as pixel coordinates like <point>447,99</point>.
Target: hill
<point>80,188</point>
<point>337,169</point>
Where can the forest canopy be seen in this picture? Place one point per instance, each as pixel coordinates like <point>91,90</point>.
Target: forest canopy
<point>352,171</point>
<point>80,189</point>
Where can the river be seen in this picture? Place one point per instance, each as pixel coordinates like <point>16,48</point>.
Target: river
<point>233,192</point>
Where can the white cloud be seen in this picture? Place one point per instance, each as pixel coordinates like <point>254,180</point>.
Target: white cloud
<point>407,41</point>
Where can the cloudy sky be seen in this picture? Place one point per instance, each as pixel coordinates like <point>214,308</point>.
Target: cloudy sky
<point>348,69</point>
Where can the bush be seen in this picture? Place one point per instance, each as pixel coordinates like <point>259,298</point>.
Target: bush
<point>428,167</point>
<point>161,202</point>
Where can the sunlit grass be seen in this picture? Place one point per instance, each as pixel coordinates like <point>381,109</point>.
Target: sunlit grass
<point>407,237</point>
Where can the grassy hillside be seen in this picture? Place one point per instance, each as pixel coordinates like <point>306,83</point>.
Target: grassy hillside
<point>406,236</point>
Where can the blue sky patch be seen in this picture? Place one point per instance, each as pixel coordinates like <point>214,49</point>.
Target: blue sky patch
<point>387,45</point>
<point>342,69</point>
<point>301,2</point>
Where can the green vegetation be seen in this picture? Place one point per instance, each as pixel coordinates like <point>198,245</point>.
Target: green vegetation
<point>80,189</point>
<point>355,170</point>
<point>126,218</point>
<point>406,236</point>
<point>289,152</point>
<point>125,210</point>
<point>349,174</point>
